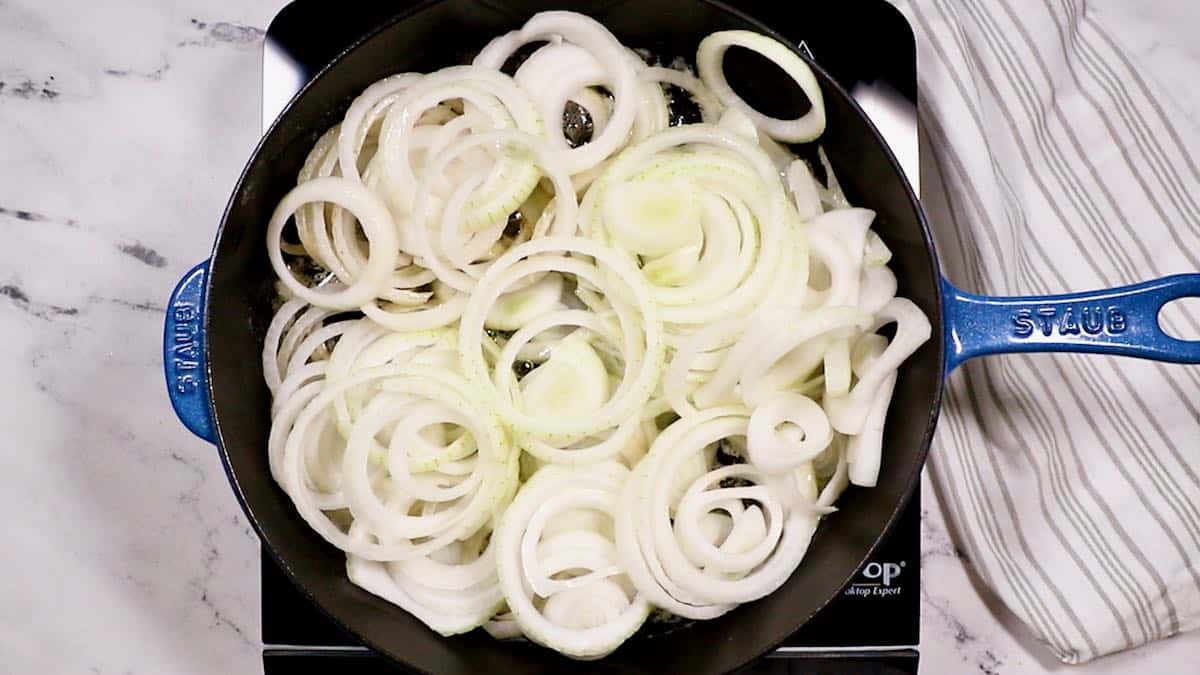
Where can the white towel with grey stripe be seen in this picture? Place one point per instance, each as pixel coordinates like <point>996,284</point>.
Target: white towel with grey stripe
<point>1051,162</point>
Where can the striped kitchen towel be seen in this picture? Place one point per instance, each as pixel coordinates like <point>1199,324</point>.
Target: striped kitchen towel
<point>1051,162</point>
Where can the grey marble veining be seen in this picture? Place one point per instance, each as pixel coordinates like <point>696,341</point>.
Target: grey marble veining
<point>123,126</point>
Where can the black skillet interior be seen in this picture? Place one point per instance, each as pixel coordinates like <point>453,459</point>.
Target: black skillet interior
<point>440,33</point>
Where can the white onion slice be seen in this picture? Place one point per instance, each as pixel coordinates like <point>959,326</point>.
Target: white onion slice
<point>786,431</point>
<point>848,414</point>
<point>621,75</point>
<point>376,222</point>
<point>709,61</point>
<point>586,617</point>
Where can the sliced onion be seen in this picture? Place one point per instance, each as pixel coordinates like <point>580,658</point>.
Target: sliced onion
<point>543,389</point>
<point>376,222</point>
<point>709,61</point>
<point>774,449</point>
<point>585,617</point>
<point>621,75</point>
<point>848,414</point>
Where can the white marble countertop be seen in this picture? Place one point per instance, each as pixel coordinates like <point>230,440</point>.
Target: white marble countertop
<point>123,126</point>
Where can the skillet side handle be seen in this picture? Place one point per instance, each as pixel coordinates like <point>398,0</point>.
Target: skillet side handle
<point>184,354</point>
<point>1120,321</point>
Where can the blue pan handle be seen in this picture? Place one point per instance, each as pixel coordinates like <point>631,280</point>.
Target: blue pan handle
<point>184,354</point>
<point>1121,321</point>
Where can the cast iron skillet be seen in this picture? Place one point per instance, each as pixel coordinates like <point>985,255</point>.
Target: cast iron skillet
<point>218,314</point>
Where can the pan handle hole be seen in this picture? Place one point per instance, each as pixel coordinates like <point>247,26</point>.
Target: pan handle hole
<point>763,85</point>
<point>1180,319</point>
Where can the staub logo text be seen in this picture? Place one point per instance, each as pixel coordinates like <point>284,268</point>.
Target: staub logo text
<point>1068,321</point>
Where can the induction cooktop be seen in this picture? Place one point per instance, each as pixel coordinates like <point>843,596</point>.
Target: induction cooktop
<point>874,625</point>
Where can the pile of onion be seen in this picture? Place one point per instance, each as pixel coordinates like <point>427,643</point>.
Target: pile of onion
<point>549,359</point>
